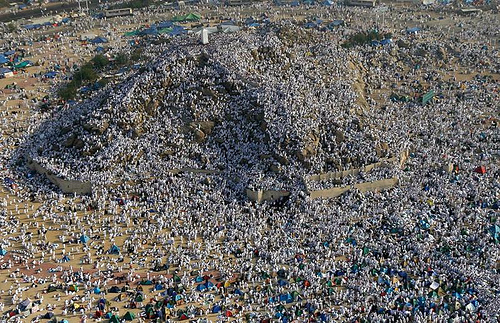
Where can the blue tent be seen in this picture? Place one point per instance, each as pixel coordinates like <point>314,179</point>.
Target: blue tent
<point>216,309</point>
<point>84,238</point>
<point>310,25</point>
<point>164,24</point>
<point>385,41</point>
<point>150,31</point>
<point>3,71</point>
<point>31,26</point>
<point>158,287</point>
<point>10,52</point>
<point>65,259</point>
<point>3,252</point>
<point>3,59</point>
<point>85,89</point>
<point>99,40</point>
<point>50,75</point>
<point>114,250</point>
<point>282,282</point>
<point>327,3</point>
<point>495,232</point>
<point>238,292</point>
<point>413,30</point>
<point>97,290</point>
<point>201,287</point>
<point>99,49</point>
<point>178,30</point>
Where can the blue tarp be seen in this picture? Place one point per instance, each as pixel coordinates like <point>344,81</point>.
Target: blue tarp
<point>99,49</point>
<point>3,59</point>
<point>10,52</point>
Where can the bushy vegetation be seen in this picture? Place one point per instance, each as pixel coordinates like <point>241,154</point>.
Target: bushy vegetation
<point>85,75</point>
<point>364,37</point>
<point>89,72</point>
<point>121,59</point>
<point>100,61</point>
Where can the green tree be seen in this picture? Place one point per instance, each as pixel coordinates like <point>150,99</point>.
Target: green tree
<point>11,27</point>
<point>121,59</point>
<point>100,61</point>
<point>68,92</point>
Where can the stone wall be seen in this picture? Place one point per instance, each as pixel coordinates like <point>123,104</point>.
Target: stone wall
<point>374,186</point>
<point>67,186</point>
<point>265,195</point>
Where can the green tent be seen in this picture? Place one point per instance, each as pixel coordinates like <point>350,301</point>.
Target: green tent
<point>129,316</point>
<point>177,18</point>
<point>188,17</point>
<point>192,17</point>
<point>114,319</point>
<point>427,97</point>
<point>132,33</point>
<point>22,65</point>
<point>139,298</point>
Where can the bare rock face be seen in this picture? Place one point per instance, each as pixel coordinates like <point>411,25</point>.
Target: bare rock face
<point>382,149</point>
<point>201,129</point>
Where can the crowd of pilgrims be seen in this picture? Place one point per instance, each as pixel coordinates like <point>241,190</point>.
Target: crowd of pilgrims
<point>264,110</point>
